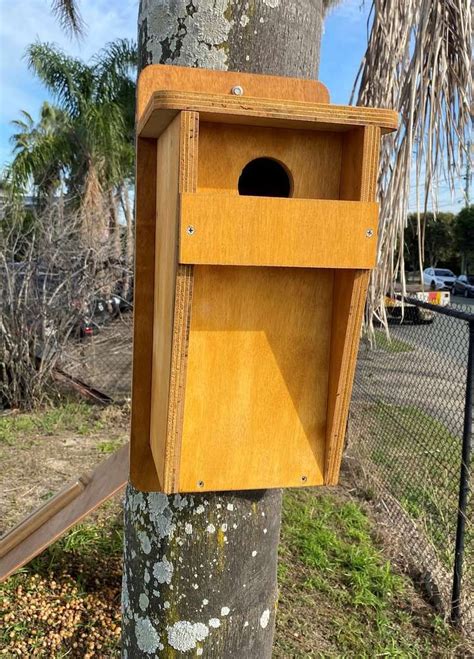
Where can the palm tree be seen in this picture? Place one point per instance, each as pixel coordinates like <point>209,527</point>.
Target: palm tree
<point>418,61</point>
<point>96,103</point>
<point>41,153</point>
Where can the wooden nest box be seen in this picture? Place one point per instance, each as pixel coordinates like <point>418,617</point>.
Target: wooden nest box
<point>256,229</point>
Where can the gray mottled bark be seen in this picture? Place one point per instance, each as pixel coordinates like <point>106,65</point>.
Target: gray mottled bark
<point>200,570</point>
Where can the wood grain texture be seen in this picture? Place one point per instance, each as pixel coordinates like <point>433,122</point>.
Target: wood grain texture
<point>313,159</point>
<point>256,384</point>
<point>167,194</point>
<point>358,180</point>
<point>182,309</point>
<point>37,518</point>
<point>142,467</point>
<point>105,481</point>
<point>268,231</point>
<point>183,79</point>
<point>163,105</point>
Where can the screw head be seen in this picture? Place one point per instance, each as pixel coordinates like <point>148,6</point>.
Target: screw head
<point>237,90</point>
<point>369,233</point>
<point>200,483</point>
<point>304,479</point>
<point>190,230</point>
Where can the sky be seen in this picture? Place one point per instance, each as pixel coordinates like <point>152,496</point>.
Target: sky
<point>25,21</point>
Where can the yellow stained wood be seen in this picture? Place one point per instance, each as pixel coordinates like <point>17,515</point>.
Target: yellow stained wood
<point>175,157</point>
<point>312,158</point>
<point>358,180</point>
<point>142,467</point>
<point>181,78</point>
<point>256,384</point>
<point>235,230</point>
<point>163,105</point>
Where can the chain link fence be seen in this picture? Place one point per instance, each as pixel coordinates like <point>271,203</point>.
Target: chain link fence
<point>410,428</point>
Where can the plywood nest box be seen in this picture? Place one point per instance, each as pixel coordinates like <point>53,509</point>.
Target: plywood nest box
<point>256,232</point>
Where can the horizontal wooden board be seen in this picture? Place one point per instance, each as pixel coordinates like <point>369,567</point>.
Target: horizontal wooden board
<point>183,78</point>
<point>257,378</point>
<point>228,229</point>
<point>164,105</point>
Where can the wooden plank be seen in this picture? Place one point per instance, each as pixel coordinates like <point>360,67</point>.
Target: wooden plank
<point>358,180</point>
<point>256,386</point>
<point>41,515</point>
<point>259,112</point>
<point>142,467</point>
<point>312,159</point>
<point>167,191</point>
<point>182,78</point>
<point>105,481</point>
<point>268,231</point>
<point>189,139</point>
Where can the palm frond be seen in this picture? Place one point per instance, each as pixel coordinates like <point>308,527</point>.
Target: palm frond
<point>68,15</point>
<point>68,79</point>
<point>418,61</point>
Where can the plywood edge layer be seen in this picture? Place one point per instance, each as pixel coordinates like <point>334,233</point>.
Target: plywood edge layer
<point>219,229</point>
<point>182,78</point>
<point>187,182</point>
<point>249,110</point>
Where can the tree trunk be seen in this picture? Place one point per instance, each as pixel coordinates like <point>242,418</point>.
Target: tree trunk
<point>200,570</point>
<point>125,198</point>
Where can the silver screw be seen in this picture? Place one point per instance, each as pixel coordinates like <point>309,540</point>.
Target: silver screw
<point>237,90</point>
<point>369,233</point>
<point>190,230</point>
<point>200,483</point>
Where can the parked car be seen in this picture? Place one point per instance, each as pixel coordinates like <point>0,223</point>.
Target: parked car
<point>463,285</point>
<point>439,279</point>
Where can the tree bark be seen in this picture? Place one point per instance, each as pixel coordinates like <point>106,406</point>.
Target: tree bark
<point>200,570</point>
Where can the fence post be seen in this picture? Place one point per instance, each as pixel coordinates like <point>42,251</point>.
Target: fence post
<point>463,483</point>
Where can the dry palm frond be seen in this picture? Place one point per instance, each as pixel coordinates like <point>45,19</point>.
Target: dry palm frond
<point>418,61</point>
<point>68,15</point>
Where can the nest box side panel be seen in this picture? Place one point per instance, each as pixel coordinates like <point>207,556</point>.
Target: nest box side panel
<point>176,157</point>
<point>142,468</point>
<point>358,182</point>
<point>257,374</point>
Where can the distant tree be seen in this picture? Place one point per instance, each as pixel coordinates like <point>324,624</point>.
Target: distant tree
<point>464,237</point>
<point>86,142</point>
<point>436,239</point>
<point>41,151</point>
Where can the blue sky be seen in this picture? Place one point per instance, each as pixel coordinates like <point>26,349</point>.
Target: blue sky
<point>24,21</point>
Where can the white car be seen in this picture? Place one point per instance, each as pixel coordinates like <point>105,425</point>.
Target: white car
<point>438,279</point>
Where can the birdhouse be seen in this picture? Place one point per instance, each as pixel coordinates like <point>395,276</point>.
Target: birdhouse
<point>256,230</point>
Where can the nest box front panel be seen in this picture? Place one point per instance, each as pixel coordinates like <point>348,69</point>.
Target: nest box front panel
<point>256,384</point>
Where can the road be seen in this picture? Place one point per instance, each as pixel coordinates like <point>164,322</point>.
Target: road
<point>424,369</point>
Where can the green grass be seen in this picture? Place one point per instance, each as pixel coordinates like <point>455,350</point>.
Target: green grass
<point>420,460</point>
<point>78,417</point>
<point>339,595</point>
<point>391,344</point>
<point>331,560</point>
